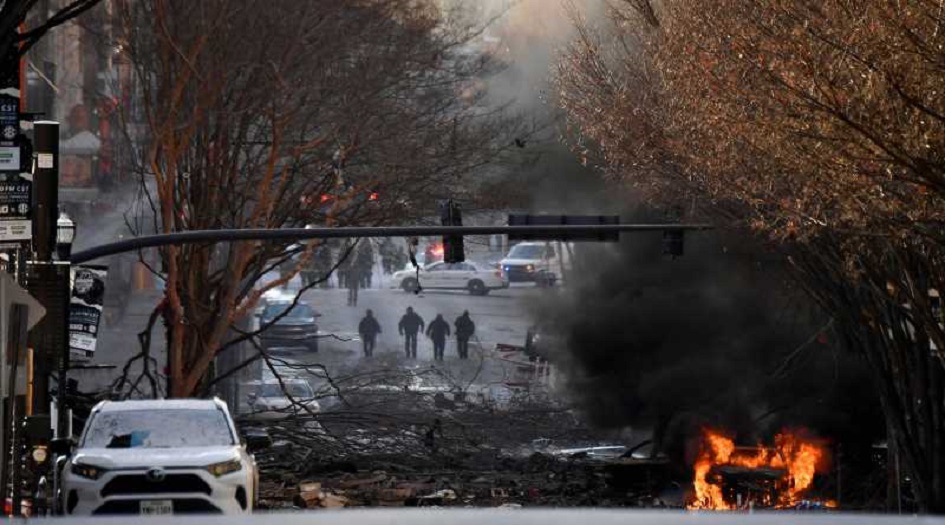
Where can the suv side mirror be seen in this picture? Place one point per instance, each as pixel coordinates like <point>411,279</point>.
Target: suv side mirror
<point>257,441</point>
<point>61,446</point>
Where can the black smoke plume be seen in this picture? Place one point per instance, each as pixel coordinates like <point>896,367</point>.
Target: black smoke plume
<point>720,337</point>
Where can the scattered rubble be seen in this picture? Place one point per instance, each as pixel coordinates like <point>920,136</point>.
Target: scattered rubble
<point>422,444</point>
<point>539,480</point>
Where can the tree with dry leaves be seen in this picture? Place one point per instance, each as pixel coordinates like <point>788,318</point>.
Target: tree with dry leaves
<point>284,114</point>
<point>817,125</point>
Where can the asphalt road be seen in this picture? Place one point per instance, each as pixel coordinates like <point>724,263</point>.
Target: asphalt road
<point>500,317</point>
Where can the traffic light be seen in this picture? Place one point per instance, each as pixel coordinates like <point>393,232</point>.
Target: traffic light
<point>517,219</point>
<point>450,215</point>
<point>673,243</point>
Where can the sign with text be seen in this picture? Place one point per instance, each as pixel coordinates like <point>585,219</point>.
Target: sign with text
<point>10,158</point>
<point>9,119</point>
<point>16,223</point>
<point>85,310</point>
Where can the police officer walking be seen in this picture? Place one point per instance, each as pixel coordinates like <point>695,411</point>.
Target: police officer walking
<point>364,262</point>
<point>353,282</point>
<point>465,328</point>
<point>438,331</point>
<point>368,328</point>
<point>410,324</point>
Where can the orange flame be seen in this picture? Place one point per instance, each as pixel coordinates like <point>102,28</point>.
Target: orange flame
<point>799,459</point>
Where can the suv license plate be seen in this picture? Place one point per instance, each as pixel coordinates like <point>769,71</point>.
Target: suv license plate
<point>157,507</point>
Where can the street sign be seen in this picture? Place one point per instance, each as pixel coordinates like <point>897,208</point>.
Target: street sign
<point>565,220</point>
<point>9,120</point>
<point>85,310</point>
<point>16,218</point>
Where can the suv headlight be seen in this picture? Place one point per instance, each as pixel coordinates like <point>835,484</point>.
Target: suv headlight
<point>87,471</point>
<point>225,467</point>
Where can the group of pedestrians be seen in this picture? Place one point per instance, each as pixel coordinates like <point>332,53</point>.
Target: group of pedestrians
<point>411,325</point>
<point>353,265</point>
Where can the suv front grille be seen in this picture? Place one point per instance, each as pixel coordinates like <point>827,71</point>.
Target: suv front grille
<point>171,484</point>
<point>181,506</point>
<point>516,272</point>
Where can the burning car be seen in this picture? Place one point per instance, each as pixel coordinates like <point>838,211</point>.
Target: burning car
<point>729,477</point>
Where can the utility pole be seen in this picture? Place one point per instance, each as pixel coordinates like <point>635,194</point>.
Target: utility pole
<point>10,167</point>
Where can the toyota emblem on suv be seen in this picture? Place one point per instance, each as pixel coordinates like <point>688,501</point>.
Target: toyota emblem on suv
<point>155,475</point>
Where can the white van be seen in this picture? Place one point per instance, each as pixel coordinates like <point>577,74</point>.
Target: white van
<point>542,263</point>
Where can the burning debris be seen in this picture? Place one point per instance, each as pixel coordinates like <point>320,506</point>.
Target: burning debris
<point>727,477</point>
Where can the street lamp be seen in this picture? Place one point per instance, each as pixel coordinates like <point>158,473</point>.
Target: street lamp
<point>65,235</point>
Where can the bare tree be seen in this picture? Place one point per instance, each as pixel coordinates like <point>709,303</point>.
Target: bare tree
<point>278,114</point>
<point>13,13</point>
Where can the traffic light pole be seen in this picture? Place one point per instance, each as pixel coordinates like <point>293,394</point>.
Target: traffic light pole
<point>561,232</point>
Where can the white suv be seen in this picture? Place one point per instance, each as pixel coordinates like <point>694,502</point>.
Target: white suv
<point>159,457</point>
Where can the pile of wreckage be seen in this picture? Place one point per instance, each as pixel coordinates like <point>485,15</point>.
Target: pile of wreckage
<point>480,481</point>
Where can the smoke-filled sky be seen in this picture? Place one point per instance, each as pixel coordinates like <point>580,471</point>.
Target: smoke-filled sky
<point>529,34</point>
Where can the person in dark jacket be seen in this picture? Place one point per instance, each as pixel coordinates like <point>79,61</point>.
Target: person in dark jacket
<point>368,328</point>
<point>364,263</point>
<point>386,251</point>
<point>353,281</point>
<point>465,328</point>
<point>410,324</point>
<point>438,331</point>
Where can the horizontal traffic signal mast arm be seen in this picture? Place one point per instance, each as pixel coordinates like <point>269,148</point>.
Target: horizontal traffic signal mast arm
<point>297,234</point>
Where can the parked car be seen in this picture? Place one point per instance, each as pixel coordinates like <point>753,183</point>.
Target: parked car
<point>450,276</point>
<point>160,457</point>
<point>289,289</point>
<point>272,399</point>
<point>288,326</point>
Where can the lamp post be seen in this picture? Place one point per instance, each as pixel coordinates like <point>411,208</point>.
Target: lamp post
<point>65,235</point>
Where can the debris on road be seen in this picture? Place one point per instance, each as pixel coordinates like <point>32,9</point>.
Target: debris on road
<point>539,480</point>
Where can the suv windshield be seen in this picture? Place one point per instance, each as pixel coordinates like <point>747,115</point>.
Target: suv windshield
<point>297,390</point>
<point>526,251</point>
<point>300,311</point>
<point>159,428</point>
